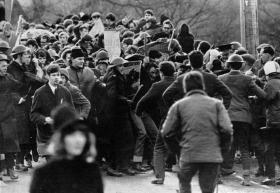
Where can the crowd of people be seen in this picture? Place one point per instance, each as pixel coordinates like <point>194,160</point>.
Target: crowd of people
<point>191,103</point>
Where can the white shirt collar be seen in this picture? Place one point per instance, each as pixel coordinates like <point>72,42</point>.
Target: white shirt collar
<point>52,88</point>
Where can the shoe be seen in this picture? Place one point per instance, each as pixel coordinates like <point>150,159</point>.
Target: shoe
<point>29,164</point>
<point>246,181</point>
<point>158,181</point>
<point>112,172</point>
<point>21,168</point>
<point>12,174</point>
<point>227,173</point>
<point>128,172</point>
<point>139,168</point>
<point>260,173</point>
<point>269,182</point>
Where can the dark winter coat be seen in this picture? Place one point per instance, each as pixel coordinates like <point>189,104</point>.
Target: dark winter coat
<point>22,110</point>
<point>242,86</point>
<point>154,95</point>
<point>71,176</point>
<point>9,141</point>
<point>213,87</point>
<point>273,101</point>
<point>43,103</point>
<point>120,123</point>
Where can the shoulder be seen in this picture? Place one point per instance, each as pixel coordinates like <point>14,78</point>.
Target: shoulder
<point>41,89</point>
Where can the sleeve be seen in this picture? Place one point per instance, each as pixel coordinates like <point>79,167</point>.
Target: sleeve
<point>255,89</point>
<point>224,121</point>
<point>81,100</point>
<point>152,93</point>
<point>171,123</point>
<point>223,91</point>
<point>35,115</point>
<point>112,89</point>
<point>173,92</point>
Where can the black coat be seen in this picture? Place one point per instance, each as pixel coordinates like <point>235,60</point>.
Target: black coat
<point>119,112</point>
<point>213,87</point>
<point>71,176</point>
<point>43,103</point>
<point>153,99</point>
<point>9,141</point>
<point>186,42</point>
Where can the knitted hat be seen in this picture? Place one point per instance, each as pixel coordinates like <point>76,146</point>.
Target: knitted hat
<point>77,52</point>
<point>64,72</point>
<point>102,55</point>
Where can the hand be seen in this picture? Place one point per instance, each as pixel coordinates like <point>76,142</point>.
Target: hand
<point>49,120</point>
<point>21,100</point>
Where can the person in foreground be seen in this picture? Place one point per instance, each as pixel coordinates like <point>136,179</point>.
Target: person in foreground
<point>72,168</point>
<point>202,126</point>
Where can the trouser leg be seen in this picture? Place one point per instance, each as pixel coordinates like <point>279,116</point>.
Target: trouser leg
<point>185,175</point>
<point>160,152</point>
<point>208,173</point>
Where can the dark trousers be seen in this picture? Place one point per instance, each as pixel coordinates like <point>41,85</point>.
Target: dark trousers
<point>152,131</point>
<point>141,136</point>
<point>9,160</point>
<point>20,155</point>
<point>160,152</point>
<point>207,175</point>
<point>241,140</point>
<point>272,150</point>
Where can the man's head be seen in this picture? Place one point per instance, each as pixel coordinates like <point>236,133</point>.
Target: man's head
<point>21,54</point>
<point>203,46</point>
<point>84,29</point>
<point>148,14</point>
<point>3,64</point>
<point>7,29</point>
<point>77,57</point>
<point>267,54</point>
<point>166,68</point>
<point>235,62</point>
<point>193,80</point>
<point>196,59</point>
<point>249,61</point>
<point>167,27</point>
<point>53,72</point>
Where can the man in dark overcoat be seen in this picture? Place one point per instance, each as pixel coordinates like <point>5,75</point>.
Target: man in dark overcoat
<point>46,98</point>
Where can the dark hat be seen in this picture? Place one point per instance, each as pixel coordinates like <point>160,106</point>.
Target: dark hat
<point>154,54</point>
<point>149,11</point>
<point>66,51</point>
<point>86,38</point>
<point>77,52</point>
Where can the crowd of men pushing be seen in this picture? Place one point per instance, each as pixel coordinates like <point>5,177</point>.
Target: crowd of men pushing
<point>73,67</point>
